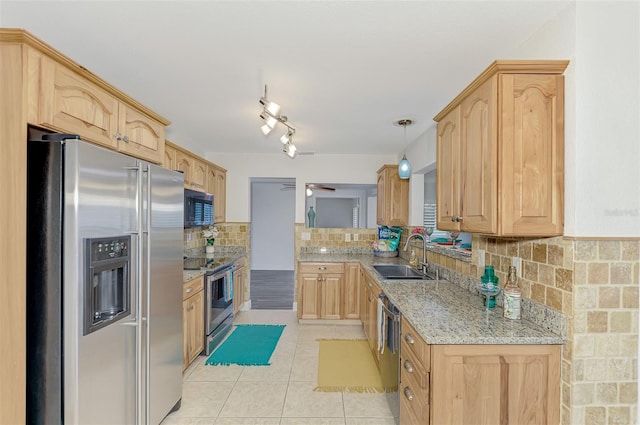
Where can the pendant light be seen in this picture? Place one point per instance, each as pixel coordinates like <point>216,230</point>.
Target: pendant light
<point>404,167</point>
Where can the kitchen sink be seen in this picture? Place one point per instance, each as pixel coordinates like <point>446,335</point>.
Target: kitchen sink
<point>395,271</point>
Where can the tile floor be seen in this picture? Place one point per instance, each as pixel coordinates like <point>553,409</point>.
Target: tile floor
<point>282,393</point>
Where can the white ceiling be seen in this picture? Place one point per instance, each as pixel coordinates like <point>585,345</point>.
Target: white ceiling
<point>343,71</point>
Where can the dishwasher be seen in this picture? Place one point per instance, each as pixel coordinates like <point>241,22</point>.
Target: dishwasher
<point>389,347</point>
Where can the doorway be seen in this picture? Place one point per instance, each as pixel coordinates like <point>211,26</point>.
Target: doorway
<point>272,243</point>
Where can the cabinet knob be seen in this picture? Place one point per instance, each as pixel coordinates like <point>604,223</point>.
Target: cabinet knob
<point>408,393</point>
<point>409,339</point>
<point>119,136</point>
<point>188,290</point>
<point>456,218</point>
<point>369,284</point>
<point>322,268</point>
<point>408,366</point>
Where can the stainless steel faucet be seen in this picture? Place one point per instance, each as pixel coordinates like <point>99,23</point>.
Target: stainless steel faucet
<point>423,265</point>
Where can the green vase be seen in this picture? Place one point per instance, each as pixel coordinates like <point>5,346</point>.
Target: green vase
<point>312,217</point>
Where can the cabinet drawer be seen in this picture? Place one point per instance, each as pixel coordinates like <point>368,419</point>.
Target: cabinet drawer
<point>321,267</point>
<point>412,342</point>
<point>410,365</point>
<point>192,287</point>
<point>415,400</point>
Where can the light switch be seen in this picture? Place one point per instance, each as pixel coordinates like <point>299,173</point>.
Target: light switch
<point>347,237</point>
<point>306,236</point>
<point>481,258</point>
<point>188,237</point>
<point>355,237</point>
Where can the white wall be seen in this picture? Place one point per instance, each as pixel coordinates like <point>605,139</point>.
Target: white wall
<point>328,169</point>
<point>421,153</point>
<point>602,113</point>
<point>272,229</point>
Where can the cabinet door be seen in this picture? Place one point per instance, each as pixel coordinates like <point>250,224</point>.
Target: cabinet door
<point>186,334</point>
<point>330,299</point>
<point>351,291</point>
<point>184,163</point>
<point>532,155</point>
<point>169,161</point>
<point>493,384</point>
<point>198,175</point>
<point>398,198</point>
<point>239,279</point>
<point>220,198</point>
<point>381,200</point>
<point>308,304</point>
<point>70,104</point>
<point>448,171</point>
<point>216,184</point>
<point>478,158</point>
<point>142,137</point>
<point>197,325</point>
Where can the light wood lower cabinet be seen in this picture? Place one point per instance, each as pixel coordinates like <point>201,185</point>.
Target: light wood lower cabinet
<point>320,290</point>
<point>479,384</point>
<point>369,305</point>
<point>351,291</point>
<point>239,284</point>
<point>192,320</point>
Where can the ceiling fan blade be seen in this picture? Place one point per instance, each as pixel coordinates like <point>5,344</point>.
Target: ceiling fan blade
<point>322,187</point>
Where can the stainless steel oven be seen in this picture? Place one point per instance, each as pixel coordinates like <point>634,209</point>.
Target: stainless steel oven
<point>218,306</point>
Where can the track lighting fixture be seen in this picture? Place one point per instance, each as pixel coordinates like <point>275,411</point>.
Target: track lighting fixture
<point>271,116</point>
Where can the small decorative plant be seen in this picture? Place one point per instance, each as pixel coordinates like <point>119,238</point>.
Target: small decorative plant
<point>210,234</point>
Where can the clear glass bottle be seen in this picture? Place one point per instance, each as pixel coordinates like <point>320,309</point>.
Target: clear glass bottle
<point>512,296</point>
<point>413,259</point>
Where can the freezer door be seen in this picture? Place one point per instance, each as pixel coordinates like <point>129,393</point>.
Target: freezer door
<point>163,249</point>
<point>100,368</point>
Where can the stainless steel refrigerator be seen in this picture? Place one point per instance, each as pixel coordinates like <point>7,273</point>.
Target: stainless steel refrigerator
<point>104,286</point>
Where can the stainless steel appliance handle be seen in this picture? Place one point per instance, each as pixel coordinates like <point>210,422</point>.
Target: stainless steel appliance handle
<point>138,283</point>
<point>147,285</point>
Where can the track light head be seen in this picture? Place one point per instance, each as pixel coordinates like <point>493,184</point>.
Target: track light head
<point>272,107</point>
<point>290,150</point>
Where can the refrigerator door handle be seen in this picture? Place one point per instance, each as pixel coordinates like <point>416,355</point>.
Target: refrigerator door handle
<point>145,266</point>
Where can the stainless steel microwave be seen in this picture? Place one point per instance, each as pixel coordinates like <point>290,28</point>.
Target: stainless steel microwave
<point>198,208</point>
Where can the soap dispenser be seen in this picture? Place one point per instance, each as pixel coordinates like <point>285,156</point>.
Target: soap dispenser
<point>413,259</point>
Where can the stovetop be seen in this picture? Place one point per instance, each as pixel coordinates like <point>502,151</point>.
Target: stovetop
<point>206,263</point>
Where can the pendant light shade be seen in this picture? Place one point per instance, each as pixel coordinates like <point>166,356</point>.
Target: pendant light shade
<point>404,168</point>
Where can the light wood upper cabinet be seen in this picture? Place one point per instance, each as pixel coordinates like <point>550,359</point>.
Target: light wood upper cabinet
<point>194,170</point>
<point>170,153</point>
<point>500,160</point>
<point>217,185</point>
<point>393,197</point>
<point>69,102</point>
<point>139,136</point>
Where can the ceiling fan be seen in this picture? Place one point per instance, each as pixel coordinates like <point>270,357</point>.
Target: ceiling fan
<point>310,187</point>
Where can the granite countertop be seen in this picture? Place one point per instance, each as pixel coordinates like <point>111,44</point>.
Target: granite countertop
<point>444,313</point>
<point>211,262</point>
